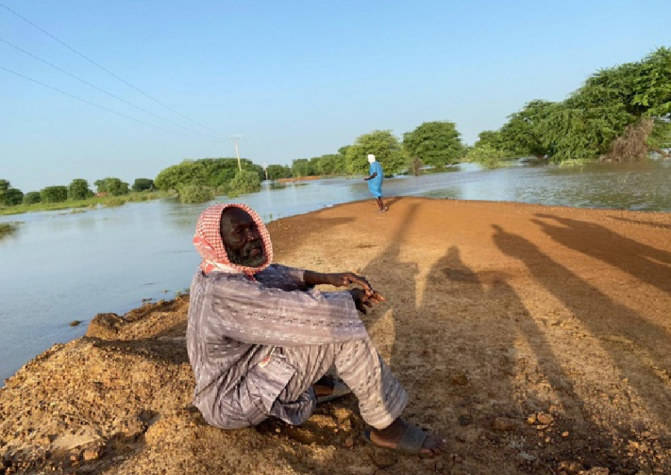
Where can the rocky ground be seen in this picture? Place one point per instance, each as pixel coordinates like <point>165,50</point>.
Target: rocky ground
<point>536,339</point>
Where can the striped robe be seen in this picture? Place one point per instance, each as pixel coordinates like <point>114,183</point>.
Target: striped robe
<point>257,345</point>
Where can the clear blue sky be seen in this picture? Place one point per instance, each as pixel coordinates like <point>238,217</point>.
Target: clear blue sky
<point>294,79</point>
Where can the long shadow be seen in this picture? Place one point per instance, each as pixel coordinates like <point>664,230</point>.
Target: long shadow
<point>644,262</point>
<point>391,201</point>
<point>640,221</point>
<point>484,321</point>
<point>403,276</point>
<point>441,329</point>
<point>638,348</point>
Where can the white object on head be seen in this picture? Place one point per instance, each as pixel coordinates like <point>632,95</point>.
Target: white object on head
<point>371,158</point>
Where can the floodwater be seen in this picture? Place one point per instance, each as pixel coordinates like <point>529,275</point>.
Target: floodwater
<point>63,266</point>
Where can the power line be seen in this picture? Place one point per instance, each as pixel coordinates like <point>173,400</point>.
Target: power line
<point>105,69</point>
<point>97,105</point>
<point>100,89</point>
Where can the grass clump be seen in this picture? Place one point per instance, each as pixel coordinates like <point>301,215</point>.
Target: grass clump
<point>7,228</point>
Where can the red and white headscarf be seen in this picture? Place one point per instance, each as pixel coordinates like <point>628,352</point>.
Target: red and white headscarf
<point>210,246</point>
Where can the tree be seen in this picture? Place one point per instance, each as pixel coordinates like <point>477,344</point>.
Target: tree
<point>300,167</point>
<point>79,189</point>
<point>524,133</point>
<point>31,197</point>
<point>9,196</point>
<point>486,155</point>
<point>622,112</point>
<point>213,172</point>
<point>329,164</point>
<point>54,194</point>
<point>381,143</point>
<point>195,194</point>
<point>12,197</point>
<point>112,186</point>
<point>278,171</point>
<point>434,143</point>
<point>246,181</point>
<point>143,184</point>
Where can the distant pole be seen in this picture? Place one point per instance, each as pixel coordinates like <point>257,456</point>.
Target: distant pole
<point>236,139</point>
<point>265,169</point>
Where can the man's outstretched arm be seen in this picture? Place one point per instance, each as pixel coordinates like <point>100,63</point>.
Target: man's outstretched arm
<point>252,313</point>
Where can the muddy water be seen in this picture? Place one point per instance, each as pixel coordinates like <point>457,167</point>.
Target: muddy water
<point>62,266</point>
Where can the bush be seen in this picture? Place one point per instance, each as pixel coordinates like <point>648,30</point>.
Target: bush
<point>112,186</point>
<point>486,155</point>
<point>31,198</point>
<point>79,189</point>
<point>54,194</point>
<point>113,202</point>
<point>416,166</point>
<point>195,194</point>
<point>142,184</point>
<point>12,197</point>
<point>7,228</point>
<point>245,181</point>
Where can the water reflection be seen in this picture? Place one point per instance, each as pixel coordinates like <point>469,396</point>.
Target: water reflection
<point>62,266</point>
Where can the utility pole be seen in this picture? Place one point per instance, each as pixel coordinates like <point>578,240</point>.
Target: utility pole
<point>236,139</point>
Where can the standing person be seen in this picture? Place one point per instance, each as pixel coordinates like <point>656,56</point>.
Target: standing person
<point>374,179</point>
<point>261,338</point>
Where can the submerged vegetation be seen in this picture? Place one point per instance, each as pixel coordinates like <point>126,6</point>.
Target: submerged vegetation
<point>7,228</point>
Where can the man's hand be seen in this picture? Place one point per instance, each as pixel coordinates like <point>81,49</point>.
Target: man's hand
<point>363,300</point>
<point>344,279</point>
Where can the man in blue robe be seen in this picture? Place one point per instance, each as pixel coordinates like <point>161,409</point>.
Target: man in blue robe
<point>374,179</point>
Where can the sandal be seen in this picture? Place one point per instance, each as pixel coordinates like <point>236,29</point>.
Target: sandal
<point>412,441</point>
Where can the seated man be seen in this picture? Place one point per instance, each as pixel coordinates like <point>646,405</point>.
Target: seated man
<point>260,336</point>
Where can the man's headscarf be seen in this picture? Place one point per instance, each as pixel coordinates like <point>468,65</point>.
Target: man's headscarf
<point>371,158</point>
<point>210,246</point>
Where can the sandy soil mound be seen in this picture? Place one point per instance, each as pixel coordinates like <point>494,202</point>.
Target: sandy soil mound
<point>536,339</point>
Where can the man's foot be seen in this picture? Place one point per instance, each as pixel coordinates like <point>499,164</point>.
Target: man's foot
<point>405,437</point>
<point>383,210</point>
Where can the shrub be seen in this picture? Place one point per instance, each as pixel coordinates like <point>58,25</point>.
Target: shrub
<point>31,198</point>
<point>54,194</point>
<point>79,189</point>
<point>195,194</point>
<point>142,184</point>
<point>7,228</point>
<point>245,181</point>
<point>113,202</point>
<point>486,155</point>
<point>12,197</point>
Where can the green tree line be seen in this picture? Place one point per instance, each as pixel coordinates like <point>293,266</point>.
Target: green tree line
<point>78,190</point>
<point>619,113</point>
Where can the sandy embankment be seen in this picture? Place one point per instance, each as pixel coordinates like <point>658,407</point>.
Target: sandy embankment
<point>537,339</point>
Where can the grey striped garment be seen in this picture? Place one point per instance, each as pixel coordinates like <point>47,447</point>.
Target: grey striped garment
<point>257,346</point>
